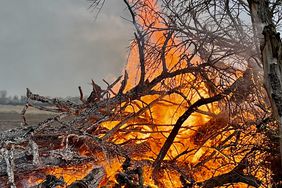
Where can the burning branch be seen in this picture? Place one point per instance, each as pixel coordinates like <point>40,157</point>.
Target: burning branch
<point>139,36</point>
<point>235,176</point>
<point>203,101</point>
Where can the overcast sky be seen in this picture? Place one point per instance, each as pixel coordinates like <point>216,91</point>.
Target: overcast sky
<point>53,46</point>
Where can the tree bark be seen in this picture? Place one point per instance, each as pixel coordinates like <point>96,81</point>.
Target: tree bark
<point>271,56</point>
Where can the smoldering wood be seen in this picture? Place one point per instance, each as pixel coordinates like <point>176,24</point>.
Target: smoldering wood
<point>37,149</point>
<point>33,151</point>
<point>130,176</point>
<point>92,180</point>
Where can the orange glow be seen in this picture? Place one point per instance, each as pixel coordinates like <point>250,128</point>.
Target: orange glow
<point>164,112</point>
<point>193,134</point>
<point>72,173</point>
<point>152,127</point>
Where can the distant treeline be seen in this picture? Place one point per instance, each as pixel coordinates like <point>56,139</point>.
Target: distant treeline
<point>21,100</point>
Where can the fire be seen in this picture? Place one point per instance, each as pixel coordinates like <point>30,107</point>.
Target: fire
<point>70,174</point>
<point>164,113</point>
<point>196,141</point>
<point>157,124</point>
<point>66,175</point>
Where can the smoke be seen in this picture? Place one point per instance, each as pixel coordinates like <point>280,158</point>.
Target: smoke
<point>54,46</point>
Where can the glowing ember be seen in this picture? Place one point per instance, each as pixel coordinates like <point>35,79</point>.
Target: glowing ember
<point>72,173</point>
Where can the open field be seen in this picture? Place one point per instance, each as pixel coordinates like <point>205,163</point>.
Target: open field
<point>10,116</point>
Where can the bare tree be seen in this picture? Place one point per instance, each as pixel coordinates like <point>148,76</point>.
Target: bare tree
<point>190,110</point>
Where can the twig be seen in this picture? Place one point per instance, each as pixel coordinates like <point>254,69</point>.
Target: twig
<point>81,95</point>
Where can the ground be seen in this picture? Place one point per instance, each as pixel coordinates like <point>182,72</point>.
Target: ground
<point>10,116</point>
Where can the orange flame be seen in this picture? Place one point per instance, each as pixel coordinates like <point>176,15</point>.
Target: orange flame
<point>154,125</point>
<point>165,112</point>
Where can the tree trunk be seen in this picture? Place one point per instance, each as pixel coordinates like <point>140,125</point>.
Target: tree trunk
<point>271,56</point>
